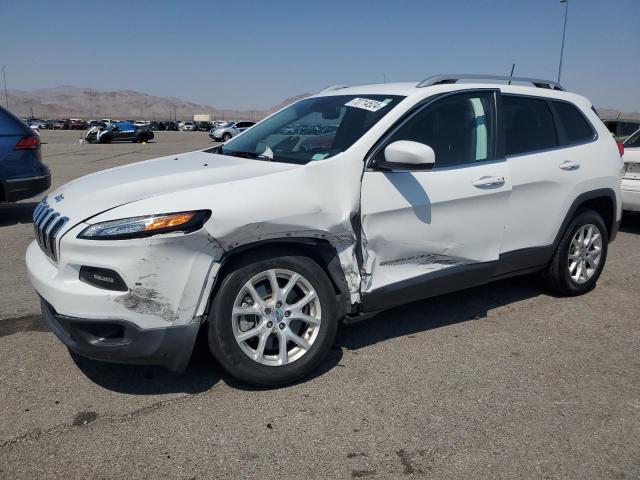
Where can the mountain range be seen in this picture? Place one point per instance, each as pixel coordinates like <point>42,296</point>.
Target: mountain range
<point>77,102</point>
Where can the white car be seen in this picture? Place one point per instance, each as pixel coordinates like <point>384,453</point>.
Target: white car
<point>188,126</point>
<point>229,130</point>
<point>631,179</point>
<point>272,239</point>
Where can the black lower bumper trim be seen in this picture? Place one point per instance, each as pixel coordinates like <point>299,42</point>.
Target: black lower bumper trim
<point>26,188</point>
<point>119,341</point>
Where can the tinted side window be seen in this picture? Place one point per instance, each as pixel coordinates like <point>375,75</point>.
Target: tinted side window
<point>528,125</point>
<point>576,127</point>
<point>459,128</point>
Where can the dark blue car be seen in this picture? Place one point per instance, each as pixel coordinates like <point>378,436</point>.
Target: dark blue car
<point>22,173</point>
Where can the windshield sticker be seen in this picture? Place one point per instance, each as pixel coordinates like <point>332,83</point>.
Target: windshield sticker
<point>319,156</point>
<point>366,104</point>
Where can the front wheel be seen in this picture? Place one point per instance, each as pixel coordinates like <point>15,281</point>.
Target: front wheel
<point>226,137</point>
<point>580,255</point>
<point>273,320</point>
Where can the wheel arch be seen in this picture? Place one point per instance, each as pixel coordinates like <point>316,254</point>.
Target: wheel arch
<point>603,201</point>
<point>319,250</point>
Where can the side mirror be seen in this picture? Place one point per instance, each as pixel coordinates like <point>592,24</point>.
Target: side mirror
<point>411,154</point>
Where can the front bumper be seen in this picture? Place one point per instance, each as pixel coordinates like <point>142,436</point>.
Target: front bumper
<point>119,341</point>
<point>22,188</point>
<point>630,189</point>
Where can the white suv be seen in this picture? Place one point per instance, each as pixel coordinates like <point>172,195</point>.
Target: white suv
<point>273,238</point>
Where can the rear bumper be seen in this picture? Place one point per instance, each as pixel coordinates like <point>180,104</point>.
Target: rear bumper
<point>22,188</point>
<point>119,341</point>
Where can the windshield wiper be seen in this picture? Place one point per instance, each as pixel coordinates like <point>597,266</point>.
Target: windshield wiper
<point>251,155</point>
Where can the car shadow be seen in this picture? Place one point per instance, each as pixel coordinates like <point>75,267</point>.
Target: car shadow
<point>463,306</point>
<point>630,223</point>
<point>467,305</point>
<point>14,213</point>
<point>204,372</point>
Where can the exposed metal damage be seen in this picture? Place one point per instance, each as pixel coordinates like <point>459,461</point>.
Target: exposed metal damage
<point>147,301</point>
<point>343,241</point>
<point>433,261</point>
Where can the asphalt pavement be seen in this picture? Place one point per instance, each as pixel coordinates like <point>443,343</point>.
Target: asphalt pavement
<point>500,381</point>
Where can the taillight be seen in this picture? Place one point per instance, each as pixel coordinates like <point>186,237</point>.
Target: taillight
<point>30,142</point>
<point>621,148</point>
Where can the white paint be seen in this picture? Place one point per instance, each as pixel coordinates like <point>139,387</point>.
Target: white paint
<point>437,212</point>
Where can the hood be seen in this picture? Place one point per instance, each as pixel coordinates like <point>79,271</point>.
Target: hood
<point>102,191</point>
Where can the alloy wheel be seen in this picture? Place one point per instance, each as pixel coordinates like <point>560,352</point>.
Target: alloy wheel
<point>585,253</point>
<point>276,317</point>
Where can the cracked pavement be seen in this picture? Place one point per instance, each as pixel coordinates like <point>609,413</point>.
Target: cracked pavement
<point>499,381</point>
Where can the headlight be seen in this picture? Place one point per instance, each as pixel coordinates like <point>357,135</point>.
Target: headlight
<point>139,227</point>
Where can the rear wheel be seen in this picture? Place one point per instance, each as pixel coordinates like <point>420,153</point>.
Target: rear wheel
<point>273,320</point>
<point>105,139</point>
<point>580,255</point>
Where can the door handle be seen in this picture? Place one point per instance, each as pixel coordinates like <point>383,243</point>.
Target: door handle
<point>487,182</point>
<point>569,165</point>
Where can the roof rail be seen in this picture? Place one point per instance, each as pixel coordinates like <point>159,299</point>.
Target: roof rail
<point>453,78</point>
<point>334,87</point>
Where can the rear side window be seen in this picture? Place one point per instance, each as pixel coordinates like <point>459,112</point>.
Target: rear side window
<point>576,128</point>
<point>528,125</point>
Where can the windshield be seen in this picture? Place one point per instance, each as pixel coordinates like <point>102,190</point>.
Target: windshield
<point>312,129</point>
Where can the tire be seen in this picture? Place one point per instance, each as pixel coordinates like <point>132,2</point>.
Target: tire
<point>558,276</point>
<point>226,137</point>
<point>105,139</point>
<point>224,325</point>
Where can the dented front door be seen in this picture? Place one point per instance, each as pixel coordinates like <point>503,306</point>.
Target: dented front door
<point>419,223</point>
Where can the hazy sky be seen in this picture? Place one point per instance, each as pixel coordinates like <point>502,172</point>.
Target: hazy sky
<point>249,54</point>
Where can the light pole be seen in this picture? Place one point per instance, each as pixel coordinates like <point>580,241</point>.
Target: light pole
<point>564,31</point>
<point>4,77</point>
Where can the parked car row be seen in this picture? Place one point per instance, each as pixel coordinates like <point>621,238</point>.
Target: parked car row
<point>78,124</point>
<point>52,124</point>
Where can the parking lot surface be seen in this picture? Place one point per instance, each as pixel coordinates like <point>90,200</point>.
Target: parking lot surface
<point>500,381</point>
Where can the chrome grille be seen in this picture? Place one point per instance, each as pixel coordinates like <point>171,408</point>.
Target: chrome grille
<point>47,223</point>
